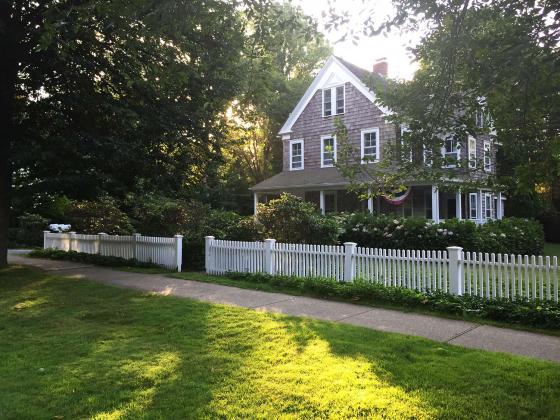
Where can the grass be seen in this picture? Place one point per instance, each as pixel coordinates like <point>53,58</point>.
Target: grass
<point>552,249</point>
<point>73,348</point>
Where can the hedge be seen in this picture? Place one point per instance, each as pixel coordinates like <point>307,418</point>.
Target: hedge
<point>510,235</point>
<point>540,314</point>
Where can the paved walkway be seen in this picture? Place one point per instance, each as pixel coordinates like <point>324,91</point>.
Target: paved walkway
<point>462,333</point>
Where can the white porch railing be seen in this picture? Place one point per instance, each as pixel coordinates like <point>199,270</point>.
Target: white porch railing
<point>166,252</point>
<point>452,270</point>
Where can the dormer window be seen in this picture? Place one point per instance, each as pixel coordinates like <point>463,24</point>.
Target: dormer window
<point>333,101</point>
<point>450,151</point>
<point>479,119</point>
<point>328,151</point>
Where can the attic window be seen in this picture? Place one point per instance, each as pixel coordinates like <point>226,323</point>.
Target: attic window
<point>479,119</point>
<point>333,100</point>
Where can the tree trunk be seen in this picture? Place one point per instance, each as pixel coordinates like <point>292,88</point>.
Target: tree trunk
<point>8,75</point>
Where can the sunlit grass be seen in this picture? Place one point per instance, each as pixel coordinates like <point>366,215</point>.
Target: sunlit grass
<point>75,349</point>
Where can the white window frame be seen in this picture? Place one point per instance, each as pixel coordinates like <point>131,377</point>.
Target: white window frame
<point>458,151</point>
<point>404,129</point>
<point>488,204</point>
<point>377,148</point>
<point>471,208</point>
<point>334,98</point>
<point>323,138</point>
<point>472,152</point>
<point>292,142</point>
<point>479,119</point>
<point>487,155</point>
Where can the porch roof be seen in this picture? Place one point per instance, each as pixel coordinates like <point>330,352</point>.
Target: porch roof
<point>315,178</point>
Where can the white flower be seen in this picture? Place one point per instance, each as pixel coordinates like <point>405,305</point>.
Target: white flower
<point>399,227</point>
<point>396,222</point>
<point>440,230</point>
<point>450,233</point>
<point>503,235</point>
<point>492,234</point>
<point>419,236</point>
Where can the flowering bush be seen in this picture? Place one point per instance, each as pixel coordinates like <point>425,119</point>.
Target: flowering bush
<point>512,235</point>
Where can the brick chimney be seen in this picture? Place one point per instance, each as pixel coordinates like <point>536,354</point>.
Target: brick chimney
<point>381,66</point>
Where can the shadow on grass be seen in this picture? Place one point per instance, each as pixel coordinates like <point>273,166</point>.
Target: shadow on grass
<point>74,348</point>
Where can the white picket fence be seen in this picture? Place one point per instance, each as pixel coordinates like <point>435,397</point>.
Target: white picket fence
<point>166,252</point>
<point>452,270</point>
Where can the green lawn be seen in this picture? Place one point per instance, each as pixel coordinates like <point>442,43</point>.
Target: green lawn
<point>72,348</point>
<point>552,249</point>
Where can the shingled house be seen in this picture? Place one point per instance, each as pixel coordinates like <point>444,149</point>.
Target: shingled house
<point>310,151</point>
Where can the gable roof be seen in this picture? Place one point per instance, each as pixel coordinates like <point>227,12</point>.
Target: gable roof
<point>334,71</point>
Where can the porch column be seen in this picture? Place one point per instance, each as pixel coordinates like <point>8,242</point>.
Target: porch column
<point>370,202</point>
<point>500,207</point>
<point>255,202</point>
<point>322,201</point>
<point>435,204</point>
<point>459,205</point>
<point>480,216</point>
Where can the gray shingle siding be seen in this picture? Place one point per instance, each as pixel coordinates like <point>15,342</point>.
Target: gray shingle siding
<point>359,114</point>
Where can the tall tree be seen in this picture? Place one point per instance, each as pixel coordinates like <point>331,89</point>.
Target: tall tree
<point>108,96</point>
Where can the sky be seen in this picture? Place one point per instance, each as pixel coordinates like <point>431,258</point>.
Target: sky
<point>369,49</point>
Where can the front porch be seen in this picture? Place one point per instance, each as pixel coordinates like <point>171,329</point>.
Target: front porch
<point>425,201</point>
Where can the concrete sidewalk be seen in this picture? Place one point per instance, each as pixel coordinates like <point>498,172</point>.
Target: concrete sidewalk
<point>462,333</point>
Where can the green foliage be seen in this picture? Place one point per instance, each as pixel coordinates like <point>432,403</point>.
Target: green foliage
<point>523,312</point>
<point>55,254</point>
<point>509,235</point>
<point>293,220</point>
<point>98,216</point>
<point>29,230</point>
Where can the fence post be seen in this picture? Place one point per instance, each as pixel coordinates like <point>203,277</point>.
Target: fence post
<point>45,238</point>
<point>455,258</point>
<point>207,250</point>
<point>269,266</point>
<point>179,251</point>
<point>72,240</point>
<point>100,237</point>
<point>349,263</point>
<point>135,245</point>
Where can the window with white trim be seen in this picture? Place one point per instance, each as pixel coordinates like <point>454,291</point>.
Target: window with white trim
<point>487,156</point>
<point>488,205</point>
<point>479,119</point>
<point>328,151</point>
<point>472,152</point>
<point>473,208</point>
<point>370,145</point>
<point>404,155</point>
<point>296,155</point>
<point>450,151</point>
<point>333,101</point>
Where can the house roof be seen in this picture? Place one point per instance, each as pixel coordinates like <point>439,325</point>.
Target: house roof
<point>335,71</point>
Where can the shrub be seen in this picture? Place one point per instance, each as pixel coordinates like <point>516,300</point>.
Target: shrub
<point>29,230</point>
<point>291,219</point>
<point>523,312</point>
<point>55,254</point>
<point>98,216</point>
<point>511,235</point>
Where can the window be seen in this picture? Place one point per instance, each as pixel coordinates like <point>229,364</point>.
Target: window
<point>451,151</point>
<point>488,205</point>
<point>487,157</point>
<point>479,119</point>
<point>328,151</point>
<point>327,106</point>
<point>472,152</point>
<point>370,145</point>
<point>333,100</point>
<point>296,155</point>
<point>404,145</point>
<point>427,155</point>
<point>473,210</point>
<point>428,204</point>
